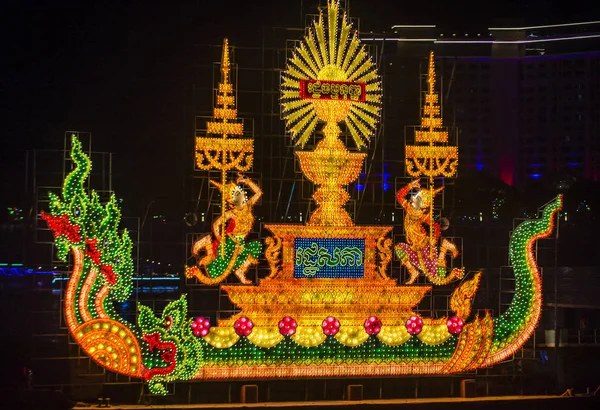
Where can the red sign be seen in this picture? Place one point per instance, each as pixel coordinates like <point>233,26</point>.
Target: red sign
<point>332,90</point>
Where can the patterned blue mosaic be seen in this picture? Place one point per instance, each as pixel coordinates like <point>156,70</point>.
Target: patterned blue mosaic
<point>329,258</point>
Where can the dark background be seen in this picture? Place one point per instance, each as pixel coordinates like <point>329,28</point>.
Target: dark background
<point>123,71</point>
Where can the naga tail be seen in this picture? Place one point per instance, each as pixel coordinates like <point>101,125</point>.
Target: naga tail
<point>156,349</point>
<point>102,269</point>
<point>517,324</point>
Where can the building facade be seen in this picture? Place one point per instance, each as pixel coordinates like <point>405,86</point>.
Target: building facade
<point>526,100</point>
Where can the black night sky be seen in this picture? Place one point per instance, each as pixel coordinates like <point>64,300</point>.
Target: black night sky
<point>122,70</point>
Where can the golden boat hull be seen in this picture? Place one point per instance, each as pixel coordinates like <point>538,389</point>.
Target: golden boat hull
<point>310,301</point>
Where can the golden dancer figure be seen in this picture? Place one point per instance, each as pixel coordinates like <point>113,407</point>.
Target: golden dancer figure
<point>420,253</point>
<point>226,149</point>
<point>237,256</point>
<point>429,157</point>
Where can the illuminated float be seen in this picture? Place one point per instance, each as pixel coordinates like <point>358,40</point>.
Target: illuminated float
<point>227,151</point>
<point>431,157</point>
<point>328,307</point>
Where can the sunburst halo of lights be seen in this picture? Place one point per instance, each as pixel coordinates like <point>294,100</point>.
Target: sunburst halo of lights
<point>331,52</point>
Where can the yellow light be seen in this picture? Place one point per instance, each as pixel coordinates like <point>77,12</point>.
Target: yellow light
<point>225,88</point>
<point>419,152</point>
<point>231,153</point>
<point>431,160</point>
<point>265,336</point>
<point>221,337</point>
<point>225,154</point>
<point>329,67</point>
<point>309,302</point>
<point>462,297</point>
<point>330,78</point>
<point>309,336</point>
<point>351,335</point>
<point>431,98</point>
<point>431,122</point>
<point>99,336</point>
<point>473,347</point>
<point>434,334</point>
<point>210,152</point>
<point>331,166</point>
<point>224,128</point>
<point>225,100</point>
<point>230,145</point>
<point>431,110</point>
<point>394,335</point>
<point>385,255</point>
<point>225,113</point>
<point>431,136</point>
<point>272,254</point>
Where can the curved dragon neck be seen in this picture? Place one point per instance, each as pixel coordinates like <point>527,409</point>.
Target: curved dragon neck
<point>71,294</point>
<point>81,303</point>
<point>517,324</point>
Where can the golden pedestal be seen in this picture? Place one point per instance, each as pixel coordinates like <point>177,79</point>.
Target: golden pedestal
<point>331,166</point>
<point>310,300</point>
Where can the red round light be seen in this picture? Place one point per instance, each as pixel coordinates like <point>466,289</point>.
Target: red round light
<point>200,326</point>
<point>287,326</point>
<point>455,325</point>
<point>372,325</point>
<point>243,326</point>
<point>414,325</point>
<point>330,326</point>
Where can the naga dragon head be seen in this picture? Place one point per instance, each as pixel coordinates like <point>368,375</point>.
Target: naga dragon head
<point>170,350</point>
<point>80,220</point>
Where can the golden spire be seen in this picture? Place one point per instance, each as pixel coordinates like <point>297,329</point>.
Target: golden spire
<point>225,62</point>
<point>225,115</point>
<point>428,159</point>
<point>330,78</point>
<point>431,121</point>
<point>220,152</point>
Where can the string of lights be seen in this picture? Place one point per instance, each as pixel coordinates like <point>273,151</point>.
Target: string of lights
<point>353,320</point>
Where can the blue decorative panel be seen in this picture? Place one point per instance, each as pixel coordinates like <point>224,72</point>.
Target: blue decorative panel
<point>329,258</point>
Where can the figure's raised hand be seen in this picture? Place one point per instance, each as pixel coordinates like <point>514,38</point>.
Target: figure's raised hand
<point>416,183</point>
